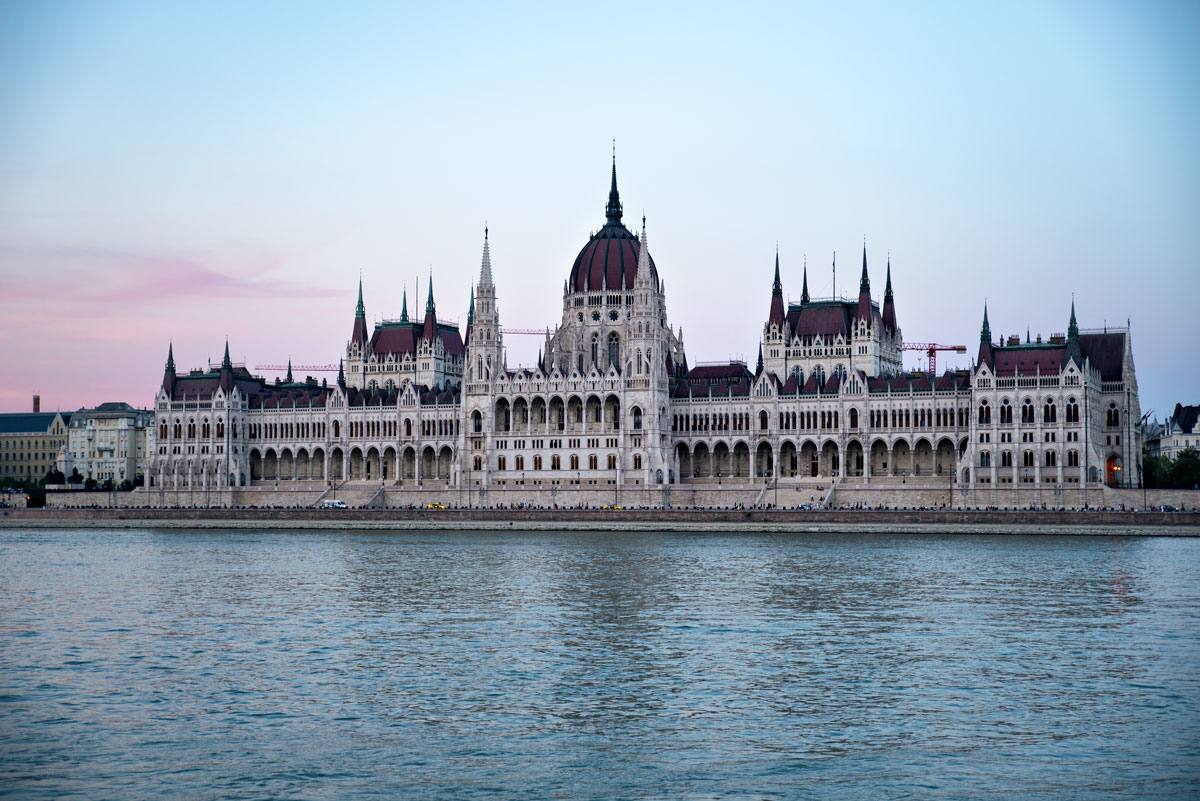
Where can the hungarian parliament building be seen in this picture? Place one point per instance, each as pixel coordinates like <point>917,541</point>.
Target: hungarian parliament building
<point>613,400</point>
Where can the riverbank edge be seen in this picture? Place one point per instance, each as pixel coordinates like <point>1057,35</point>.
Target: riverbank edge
<point>678,521</point>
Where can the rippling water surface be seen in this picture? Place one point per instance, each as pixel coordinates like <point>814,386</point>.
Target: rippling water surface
<point>528,666</point>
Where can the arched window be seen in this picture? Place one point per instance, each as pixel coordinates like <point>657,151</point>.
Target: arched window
<point>614,350</point>
<point>637,418</point>
<point>854,418</point>
<point>1072,411</point>
<point>1113,418</point>
<point>1006,459</point>
<point>763,420</point>
<point>985,413</point>
<point>1005,413</point>
<point>985,459</point>
<point>1051,459</point>
<point>1027,411</point>
<point>638,362</point>
<point>337,429</point>
<point>1049,412</point>
<point>1027,459</point>
<point>595,348</point>
<point>408,426</point>
<point>1072,458</point>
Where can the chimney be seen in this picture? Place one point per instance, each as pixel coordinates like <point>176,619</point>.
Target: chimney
<point>37,403</point>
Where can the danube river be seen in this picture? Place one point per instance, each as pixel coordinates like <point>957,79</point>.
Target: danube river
<point>229,665</point>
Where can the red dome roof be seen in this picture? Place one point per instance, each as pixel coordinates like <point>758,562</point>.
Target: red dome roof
<point>610,258</point>
<point>611,254</point>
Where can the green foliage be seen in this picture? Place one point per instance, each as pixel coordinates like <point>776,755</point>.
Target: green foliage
<point>126,485</point>
<point>90,484</point>
<point>108,485</point>
<point>1182,472</point>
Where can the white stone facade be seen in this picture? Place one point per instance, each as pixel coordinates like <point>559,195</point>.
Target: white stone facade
<point>612,402</point>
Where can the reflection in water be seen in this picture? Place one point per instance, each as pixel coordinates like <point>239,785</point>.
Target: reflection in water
<point>480,665</point>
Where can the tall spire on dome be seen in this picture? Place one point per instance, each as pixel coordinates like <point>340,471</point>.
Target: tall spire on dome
<point>614,210</point>
<point>804,290</point>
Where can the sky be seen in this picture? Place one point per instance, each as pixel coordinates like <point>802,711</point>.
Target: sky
<point>187,172</point>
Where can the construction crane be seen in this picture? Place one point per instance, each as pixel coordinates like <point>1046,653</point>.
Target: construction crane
<point>318,368</point>
<point>531,331</point>
<point>931,349</point>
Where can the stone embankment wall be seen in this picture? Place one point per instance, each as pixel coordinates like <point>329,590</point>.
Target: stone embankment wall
<point>910,496</point>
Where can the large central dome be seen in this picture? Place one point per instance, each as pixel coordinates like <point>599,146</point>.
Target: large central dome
<point>610,258</point>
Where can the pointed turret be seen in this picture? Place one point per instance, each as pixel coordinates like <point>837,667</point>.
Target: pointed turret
<point>1073,349</point>
<point>889,306</point>
<point>470,317</point>
<point>341,379</point>
<point>864,293</point>
<point>288,380</point>
<point>226,362</point>
<point>169,371</point>
<point>429,330</point>
<point>226,369</point>
<point>776,316</point>
<point>758,368</point>
<point>614,211</point>
<point>804,290</point>
<point>359,334</point>
<point>404,307</point>
<point>985,340</point>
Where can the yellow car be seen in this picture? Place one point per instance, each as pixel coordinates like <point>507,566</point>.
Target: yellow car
<point>436,506</point>
<point>614,508</point>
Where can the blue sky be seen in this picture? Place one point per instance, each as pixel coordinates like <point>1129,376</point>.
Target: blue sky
<point>187,171</point>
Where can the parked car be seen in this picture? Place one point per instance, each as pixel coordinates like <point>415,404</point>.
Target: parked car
<point>1166,507</point>
<point>334,505</point>
<point>436,505</point>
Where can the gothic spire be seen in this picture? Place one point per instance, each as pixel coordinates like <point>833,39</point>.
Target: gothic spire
<point>889,305</point>
<point>777,287</point>
<point>288,380</point>
<point>864,292</point>
<point>485,271</point>
<point>985,333</point>
<point>226,364</point>
<point>471,308</point>
<point>360,310</point>
<point>613,210</point>
<point>758,368</point>
<point>429,308</point>
<point>804,290</point>
<point>404,308</point>
<point>1072,327</point>
<point>341,379</point>
<point>171,358</point>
